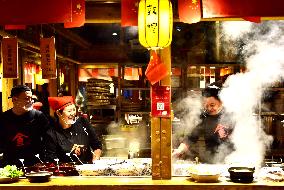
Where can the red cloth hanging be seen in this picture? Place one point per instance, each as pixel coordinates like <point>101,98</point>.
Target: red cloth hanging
<point>129,12</point>
<point>241,9</point>
<point>156,70</point>
<point>29,12</point>
<point>253,19</point>
<point>189,11</point>
<point>78,14</point>
<point>15,27</point>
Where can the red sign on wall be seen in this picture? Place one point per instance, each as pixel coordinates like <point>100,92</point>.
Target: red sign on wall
<point>48,63</point>
<point>161,101</point>
<point>10,57</point>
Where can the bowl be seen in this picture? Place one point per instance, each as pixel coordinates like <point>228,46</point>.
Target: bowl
<point>38,177</point>
<point>8,179</point>
<point>241,174</point>
<point>204,178</point>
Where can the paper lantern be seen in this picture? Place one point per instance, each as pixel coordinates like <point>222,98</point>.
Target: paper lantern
<point>155,23</point>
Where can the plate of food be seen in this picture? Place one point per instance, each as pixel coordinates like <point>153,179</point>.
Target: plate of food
<point>10,174</point>
<point>204,173</point>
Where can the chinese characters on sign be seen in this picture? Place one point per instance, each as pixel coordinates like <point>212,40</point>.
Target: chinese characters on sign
<point>152,21</point>
<point>161,101</point>
<point>48,63</point>
<point>10,57</point>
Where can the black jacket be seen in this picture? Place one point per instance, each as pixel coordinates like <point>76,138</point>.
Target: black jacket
<point>59,141</point>
<point>21,137</point>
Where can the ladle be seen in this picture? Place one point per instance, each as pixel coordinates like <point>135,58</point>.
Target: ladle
<point>37,155</point>
<point>78,158</point>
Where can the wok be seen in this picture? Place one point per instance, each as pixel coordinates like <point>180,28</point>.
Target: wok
<point>241,174</point>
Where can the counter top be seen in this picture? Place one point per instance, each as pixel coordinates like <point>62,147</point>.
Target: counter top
<point>136,183</point>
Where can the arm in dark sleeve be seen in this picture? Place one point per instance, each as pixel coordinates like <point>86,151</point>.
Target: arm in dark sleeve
<point>50,147</point>
<point>95,143</point>
<point>3,132</point>
<point>43,122</point>
<point>194,135</point>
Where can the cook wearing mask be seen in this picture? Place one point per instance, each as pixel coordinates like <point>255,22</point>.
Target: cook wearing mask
<point>72,139</point>
<point>210,128</point>
<point>22,129</point>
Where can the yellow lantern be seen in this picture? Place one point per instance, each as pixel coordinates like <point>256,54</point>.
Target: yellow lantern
<point>155,23</point>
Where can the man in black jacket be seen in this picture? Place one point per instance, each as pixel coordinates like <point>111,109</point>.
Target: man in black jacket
<point>21,130</point>
<point>214,132</point>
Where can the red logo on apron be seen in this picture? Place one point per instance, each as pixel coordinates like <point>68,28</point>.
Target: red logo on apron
<point>20,139</point>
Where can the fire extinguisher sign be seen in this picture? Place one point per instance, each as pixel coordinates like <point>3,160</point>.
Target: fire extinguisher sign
<point>161,101</point>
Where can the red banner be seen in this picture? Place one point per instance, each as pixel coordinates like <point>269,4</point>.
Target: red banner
<point>78,14</point>
<point>48,61</point>
<point>10,57</point>
<point>240,9</point>
<point>161,101</point>
<point>129,12</point>
<point>15,27</point>
<point>28,12</point>
<point>189,11</point>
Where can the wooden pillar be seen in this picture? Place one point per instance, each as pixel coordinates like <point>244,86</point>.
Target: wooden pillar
<point>161,133</point>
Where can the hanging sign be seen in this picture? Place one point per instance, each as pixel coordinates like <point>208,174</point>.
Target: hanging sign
<point>161,101</point>
<point>10,57</point>
<point>48,54</point>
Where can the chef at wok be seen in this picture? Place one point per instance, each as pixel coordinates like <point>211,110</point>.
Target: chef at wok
<point>72,139</point>
<point>215,132</point>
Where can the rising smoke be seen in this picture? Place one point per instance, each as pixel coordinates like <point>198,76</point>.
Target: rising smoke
<point>262,50</point>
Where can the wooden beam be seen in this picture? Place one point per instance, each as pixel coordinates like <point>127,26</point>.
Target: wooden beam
<point>99,12</point>
<point>103,12</point>
<point>103,54</point>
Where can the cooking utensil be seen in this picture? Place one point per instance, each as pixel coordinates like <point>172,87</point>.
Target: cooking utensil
<point>241,174</point>
<point>37,155</point>
<point>78,158</point>
<point>38,177</point>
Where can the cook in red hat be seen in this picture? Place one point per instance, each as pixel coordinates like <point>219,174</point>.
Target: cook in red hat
<point>65,109</point>
<point>73,138</point>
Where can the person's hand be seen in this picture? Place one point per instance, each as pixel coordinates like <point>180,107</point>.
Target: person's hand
<point>221,131</point>
<point>176,153</point>
<point>180,150</point>
<point>96,155</point>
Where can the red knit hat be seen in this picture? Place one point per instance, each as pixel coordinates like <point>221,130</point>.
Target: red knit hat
<point>59,103</point>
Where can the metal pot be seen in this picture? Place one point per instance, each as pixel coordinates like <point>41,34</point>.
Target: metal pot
<point>241,174</point>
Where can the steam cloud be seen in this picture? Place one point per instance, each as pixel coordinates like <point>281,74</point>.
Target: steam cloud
<point>262,51</point>
<point>261,47</point>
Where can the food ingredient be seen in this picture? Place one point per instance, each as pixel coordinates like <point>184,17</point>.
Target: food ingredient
<point>11,171</point>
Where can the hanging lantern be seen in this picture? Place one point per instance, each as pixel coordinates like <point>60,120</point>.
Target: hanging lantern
<point>155,23</point>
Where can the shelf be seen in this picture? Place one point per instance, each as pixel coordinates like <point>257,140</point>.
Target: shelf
<point>102,107</point>
<point>274,89</point>
<point>271,114</point>
<point>135,112</point>
<point>133,88</point>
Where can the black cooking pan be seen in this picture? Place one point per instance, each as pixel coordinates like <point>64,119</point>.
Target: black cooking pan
<point>241,174</point>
